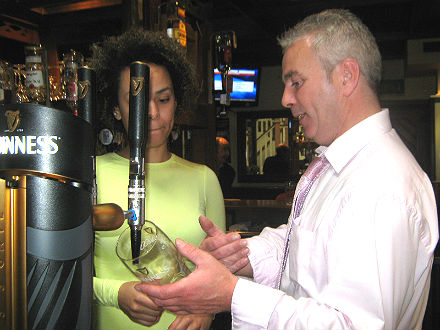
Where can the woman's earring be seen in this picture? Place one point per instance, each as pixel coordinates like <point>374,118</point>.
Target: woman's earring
<point>105,136</point>
<point>175,132</point>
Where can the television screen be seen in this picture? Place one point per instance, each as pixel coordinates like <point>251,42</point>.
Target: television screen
<point>244,84</point>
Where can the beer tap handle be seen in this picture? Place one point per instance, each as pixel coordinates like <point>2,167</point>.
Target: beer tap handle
<point>87,94</point>
<point>224,43</point>
<point>110,216</point>
<point>137,136</point>
<point>86,110</point>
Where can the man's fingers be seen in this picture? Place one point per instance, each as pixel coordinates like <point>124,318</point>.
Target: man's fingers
<point>162,293</point>
<point>230,247</point>
<point>239,264</point>
<point>155,292</point>
<point>189,251</point>
<point>213,243</point>
<point>209,227</point>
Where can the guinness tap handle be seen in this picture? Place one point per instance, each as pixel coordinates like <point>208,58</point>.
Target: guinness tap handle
<point>87,94</point>
<point>139,99</point>
<point>86,110</point>
<point>137,136</point>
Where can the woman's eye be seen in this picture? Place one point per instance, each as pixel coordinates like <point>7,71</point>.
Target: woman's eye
<point>164,99</point>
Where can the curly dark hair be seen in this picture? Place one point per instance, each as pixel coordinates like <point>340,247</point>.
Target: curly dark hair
<point>115,53</point>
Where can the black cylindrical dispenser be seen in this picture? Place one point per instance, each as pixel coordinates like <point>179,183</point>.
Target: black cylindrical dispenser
<point>137,136</point>
<point>46,167</point>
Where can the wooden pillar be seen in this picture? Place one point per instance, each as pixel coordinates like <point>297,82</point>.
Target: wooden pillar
<point>132,13</point>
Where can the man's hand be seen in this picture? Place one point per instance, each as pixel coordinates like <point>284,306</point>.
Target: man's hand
<point>229,248</point>
<point>192,321</point>
<point>138,307</point>
<point>207,290</point>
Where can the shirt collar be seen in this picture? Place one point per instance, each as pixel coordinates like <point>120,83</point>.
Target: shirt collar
<point>346,146</point>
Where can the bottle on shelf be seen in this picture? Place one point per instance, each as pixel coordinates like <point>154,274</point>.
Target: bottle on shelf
<point>176,28</point>
<point>72,61</point>
<point>2,89</point>
<point>6,82</point>
<point>55,84</point>
<point>35,68</point>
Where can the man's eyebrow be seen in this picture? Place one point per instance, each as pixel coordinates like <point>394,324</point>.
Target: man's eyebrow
<point>289,75</point>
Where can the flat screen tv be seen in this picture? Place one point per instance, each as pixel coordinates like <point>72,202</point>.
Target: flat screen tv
<point>245,84</point>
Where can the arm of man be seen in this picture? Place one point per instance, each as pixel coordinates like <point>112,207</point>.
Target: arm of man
<point>192,321</point>
<point>198,292</point>
<point>229,248</point>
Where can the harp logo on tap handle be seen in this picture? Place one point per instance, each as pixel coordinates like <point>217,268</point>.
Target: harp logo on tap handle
<point>83,89</point>
<point>137,83</point>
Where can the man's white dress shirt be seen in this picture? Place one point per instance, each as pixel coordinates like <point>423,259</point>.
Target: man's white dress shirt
<point>362,249</point>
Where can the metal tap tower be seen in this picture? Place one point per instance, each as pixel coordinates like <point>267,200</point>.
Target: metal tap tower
<point>137,136</point>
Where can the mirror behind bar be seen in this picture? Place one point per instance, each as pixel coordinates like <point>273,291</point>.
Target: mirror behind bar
<point>259,134</point>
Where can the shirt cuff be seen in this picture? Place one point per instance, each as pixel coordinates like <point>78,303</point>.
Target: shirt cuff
<point>252,305</point>
<point>266,256</point>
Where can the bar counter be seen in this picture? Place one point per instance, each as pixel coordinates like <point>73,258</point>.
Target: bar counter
<point>231,204</point>
<point>249,216</point>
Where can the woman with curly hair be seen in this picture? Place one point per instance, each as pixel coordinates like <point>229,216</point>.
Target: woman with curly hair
<point>178,191</point>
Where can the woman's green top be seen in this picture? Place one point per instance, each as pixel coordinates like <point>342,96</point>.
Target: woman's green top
<point>177,193</point>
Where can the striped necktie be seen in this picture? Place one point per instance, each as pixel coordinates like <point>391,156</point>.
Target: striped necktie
<point>318,166</point>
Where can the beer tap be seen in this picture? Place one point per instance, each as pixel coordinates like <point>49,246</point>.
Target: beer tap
<point>86,109</point>
<point>224,43</point>
<point>137,136</point>
<point>108,216</point>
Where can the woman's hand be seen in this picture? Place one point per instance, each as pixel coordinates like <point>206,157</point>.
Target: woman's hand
<point>192,322</point>
<point>137,305</point>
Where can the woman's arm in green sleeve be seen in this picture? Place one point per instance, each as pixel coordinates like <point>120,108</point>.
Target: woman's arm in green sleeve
<point>105,292</point>
<point>215,205</point>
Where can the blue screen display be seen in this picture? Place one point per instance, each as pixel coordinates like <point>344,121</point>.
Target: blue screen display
<point>244,84</point>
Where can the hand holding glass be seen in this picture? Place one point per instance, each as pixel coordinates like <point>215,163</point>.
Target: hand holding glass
<point>158,262</point>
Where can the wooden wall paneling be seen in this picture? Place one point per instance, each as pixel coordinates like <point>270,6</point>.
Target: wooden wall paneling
<point>414,122</point>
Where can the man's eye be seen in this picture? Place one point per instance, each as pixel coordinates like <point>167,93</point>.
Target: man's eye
<point>164,99</point>
<point>296,83</point>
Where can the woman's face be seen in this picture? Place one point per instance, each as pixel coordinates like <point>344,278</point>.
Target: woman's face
<point>162,105</point>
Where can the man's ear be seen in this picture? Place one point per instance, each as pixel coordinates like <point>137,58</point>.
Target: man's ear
<point>117,113</point>
<point>348,75</point>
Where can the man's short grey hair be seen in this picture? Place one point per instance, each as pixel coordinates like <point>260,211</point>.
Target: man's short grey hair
<point>337,34</point>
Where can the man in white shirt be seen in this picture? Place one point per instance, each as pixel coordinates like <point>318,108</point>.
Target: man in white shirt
<point>359,254</point>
